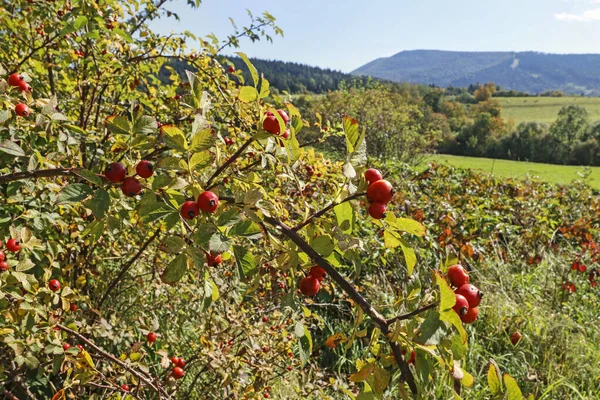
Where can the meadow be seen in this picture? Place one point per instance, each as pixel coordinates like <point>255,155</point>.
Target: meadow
<point>545,109</point>
<point>558,174</point>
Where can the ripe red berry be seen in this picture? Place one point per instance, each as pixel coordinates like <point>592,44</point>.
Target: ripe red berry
<point>213,259</point>
<point>265,319</point>
<point>151,337</point>
<point>208,202</point>
<point>318,272</point>
<point>66,346</point>
<point>22,110</point>
<point>515,338</point>
<point>271,125</point>
<point>458,275</point>
<point>289,368</point>
<point>373,175</point>
<point>24,86</point>
<point>15,79</point>
<point>181,363</point>
<point>115,172</point>
<point>3,266</point>
<point>266,395</point>
<point>144,169</point>
<point>377,210</point>
<point>470,316</point>
<point>80,347</point>
<point>131,187</point>
<point>228,141</point>
<point>125,387</point>
<point>73,307</point>
<point>413,357</point>
<point>380,191</point>
<point>175,360</point>
<point>471,293</point>
<point>265,349</point>
<point>54,285</point>
<point>13,245</point>
<point>189,210</point>
<point>2,255</point>
<point>309,285</point>
<point>462,305</point>
<point>283,116</point>
<point>286,134</point>
<point>178,373</point>
<point>231,70</point>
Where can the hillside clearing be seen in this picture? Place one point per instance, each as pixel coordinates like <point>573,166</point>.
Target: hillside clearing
<point>545,109</point>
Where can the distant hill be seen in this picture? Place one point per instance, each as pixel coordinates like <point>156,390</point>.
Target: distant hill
<point>530,72</point>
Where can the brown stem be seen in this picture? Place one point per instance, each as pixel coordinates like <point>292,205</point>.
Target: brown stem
<point>128,265</point>
<point>33,51</point>
<point>412,313</point>
<point>112,358</point>
<point>148,14</point>
<point>227,163</point>
<point>325,210</point>
<point>41,173</point>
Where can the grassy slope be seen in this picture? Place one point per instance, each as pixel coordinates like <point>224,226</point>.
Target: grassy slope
<point>560,174</point>
<point>545,109</point>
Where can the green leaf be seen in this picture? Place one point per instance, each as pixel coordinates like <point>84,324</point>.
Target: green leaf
<point>245,228</point>
<point>123,34</point>
<point>432,330</point>
<point>119,125</point>
<point>452,317</point>
<point>73,193</point>
<point>410,256</point>
<point>161,181</point>
<point>513,392</point>
<point>245,261</point>
<point>145,125</point>
<point>364,373</point>
<point>391,240</point>
<point>174,137</point>
<point>306,346</point>
<point>100,203</point>
<point>95,229</point>
<point>12,148</point>
<point>344,215</point>
<point>175,270</point>
<point>264,88</point>
<point>229,217</point>
<point>202,140</point>
<point>25,265</point>
<point>219,243</point>
<point>201,160</point>
<point>381,380</point>
<point>447,296</point>
<point>323,245</point>
<point>154,211</point>
<point>172,244</point>
<point>352,134</point>
<point>253,71</point>
<point>203,234</point>
<point>90,176</point>
<point>79,22</point>
<point>248,94</point>
<point>409,225</point>
<point>493,378</point>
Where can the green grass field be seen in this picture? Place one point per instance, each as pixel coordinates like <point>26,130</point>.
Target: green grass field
<point>545,109</point>
<point>561,174</point>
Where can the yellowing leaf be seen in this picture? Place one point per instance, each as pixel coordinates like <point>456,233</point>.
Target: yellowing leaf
<point>248,94</point>
<point>513,392</point>
<point>335,339</point>
<point>85,357</point>
<point>363,374</point>
<point>448,298</point>
<point>493,378</point>
<point>467,380</point>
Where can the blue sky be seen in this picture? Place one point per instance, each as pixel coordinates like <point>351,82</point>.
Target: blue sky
<point>345,34</point>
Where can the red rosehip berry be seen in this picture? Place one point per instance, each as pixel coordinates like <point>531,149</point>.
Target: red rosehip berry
<point>380,191</point>
<point>309,285</point>
<point>231,70</point>
<point>271,125</point>
<point>208,202</point>
<point>125,387</point>
<point>15,79</point>
<point>178,373</point>
<point>2,255</point>
<point>54,285</point>
<point>190,210</point>
<point>73,307</point>
<point>66,346</point>
<point>24,86</point>
<point>151,337</point>
<point>265,319</point>
<point>144,169</point>
<point>515,338</point>
<point>3,266</point>
<point>458,275</point>
<point>283,116</point>
<point>80,347</point>
<point>213,259</point>
<point>115,172</point>
<point>377,210</point>
<point>470,316</point>
<point>286,135</point>
<point>373,175</point>
<point>318,272</point>
<point>131,187</point>
<point>22,110</point>
<point>471,293</point>
<point>13,245</point>
<point>175,360</point>
<point>181,363</point>
<point>462,305</point>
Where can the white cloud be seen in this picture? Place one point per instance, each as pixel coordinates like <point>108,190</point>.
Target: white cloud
<point>586,16</point>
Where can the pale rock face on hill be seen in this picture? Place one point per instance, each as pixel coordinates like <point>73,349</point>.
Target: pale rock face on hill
<point>524,71</point>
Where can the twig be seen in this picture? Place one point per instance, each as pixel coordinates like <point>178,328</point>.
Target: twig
<point>229,161</point>
<point>413,313</point>
<point>126,267</point>
<point>41,173</point>
<point>325,210</point>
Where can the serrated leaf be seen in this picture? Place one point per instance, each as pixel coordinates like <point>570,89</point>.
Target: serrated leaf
<point>123,35</point>
<point>245,228</point>
<point>513,392</point>
<point>218,243</point>
<point>145,125</point>
<point>200,160</point>
<point>493,378</point>
<point>95,229</point>
<point>344,215</point>
<point>90,176</point>
<point>432,329</point>
<point>73,193</point>
<point>25,265</point>
<point>172,244</point>
<point>381,380</point>
<point>306,346</point>
<point>175,270</point>
<point>409,225</point>
<point>323,245</point>
<point>118,124</point>
<point>251,68</point>
<point>351,131</point>
<point>154,211</point>
<point>12,148</point>
<point>364,373</point>
<point>447,296</point>
<point>100,203</point>
<point>174,137</point>
<point>248,94</point>
<point>245,261</point>
<point>202,140</point>
<point>410,257</point>
<point>79,22</point>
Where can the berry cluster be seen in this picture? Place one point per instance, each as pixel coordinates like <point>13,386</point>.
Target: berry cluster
<point>207,202</point>
<point>13,246</point>
<point>17,80</point>
<point>310,284</point>
<point>468,296</point>
<point>379,193</point>
<point>178,364</point>
<point>271,125</point>
<point>130,186</point>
